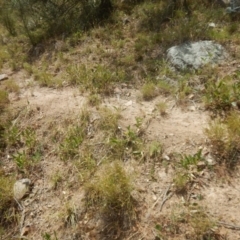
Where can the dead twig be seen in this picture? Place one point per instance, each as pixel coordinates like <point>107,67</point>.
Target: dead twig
<point>166,196</point>
<point>230,226</point>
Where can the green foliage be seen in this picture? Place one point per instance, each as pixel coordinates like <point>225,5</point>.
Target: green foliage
<point>110,192</point>
<point>6,200</point>
<point>43,19</point>
<point>221,95</point>
<point>70,146</point>
<point>191,160</point>
<point>3,99</point>
<point>125,145</point>
<point>97,80</point>
<point>48,236</point>
<point>149,91</point>
<point>224,137</point>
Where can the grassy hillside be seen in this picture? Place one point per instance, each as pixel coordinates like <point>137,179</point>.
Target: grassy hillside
<point>102,162</point>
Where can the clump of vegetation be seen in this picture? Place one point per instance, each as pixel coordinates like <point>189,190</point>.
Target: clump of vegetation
<point>187,171</point>
<point>3,99</point>
<point>149,91</point>
<point>97,80</point>
<point>11,86</point>
<point>108,120</point>
<point>161,107</point>
<point>94,100</point>
<point>221,96</point>
<point>224,136</point>
<point>110,194</point>
<point>24,146</point>
<point>7,211</point>
<point>126,144</point>
<point>70,145</point>
<point>202,224</point>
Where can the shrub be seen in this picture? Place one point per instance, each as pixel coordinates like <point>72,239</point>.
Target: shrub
<point>224,137</point>
<point>110,195</point>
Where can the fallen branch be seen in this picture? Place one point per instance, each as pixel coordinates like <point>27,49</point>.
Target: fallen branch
<point>166,196</point>
<point>230,226</point>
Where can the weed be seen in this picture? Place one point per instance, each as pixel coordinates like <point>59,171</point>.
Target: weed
<point>161,107</point>
<point>110,194</point>
<point>71,216</point>
<point>28,68</point>
<point>191,160</point>
<point>86,164</point>
<point>181,182</point>
<point>201,224</point>
<point>126,145</point>
<point>56,179</point>
<point>70,145</point>
<point>98,80</point>
<point>224,137</point>
<point>3,99</point>
<point>108,120</point>
<point>6,200</point>
<point>221,95</point>
<point>164,87</point>
<point>155,149</point>
<point>45,79</point>
<point>149,91</point>
<point>94,100</point>
<point>48,236</point>
<point>11,86</point>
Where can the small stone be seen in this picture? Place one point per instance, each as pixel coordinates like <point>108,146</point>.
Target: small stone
<point>191,96</point>
<point>192,108</point>
<point>212,25</point>
<point>210,160</point>
<point>3,77</point>
<point>129,103</point>
<point>21,187</point>
<point>166,157</point>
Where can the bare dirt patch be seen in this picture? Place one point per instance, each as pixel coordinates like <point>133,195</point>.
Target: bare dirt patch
<point>181,131</point>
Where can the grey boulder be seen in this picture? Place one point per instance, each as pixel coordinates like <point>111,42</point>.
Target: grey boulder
<point>195,55</point>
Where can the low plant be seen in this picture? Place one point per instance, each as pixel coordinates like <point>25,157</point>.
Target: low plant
<point>125,145</point>
<point>98,80</point>
<point>161,107</point>
<point>181,182</point>
<point>221,96</point>
<point>155,149</point>
<point>110,195</point>
<point>86,164</point>
<point>149,91</point>
<point>94,100</point>
<point>3,99</point>
<point>7,215</point>
<point>70,145</point>
<point>48,236</point>
<point>224,137</point>
<point>11,86</point>
<point>56,179</point>
<point>202,224</point>
<point>191,160</point>
<point>70,215</point>
<point>108,120</point>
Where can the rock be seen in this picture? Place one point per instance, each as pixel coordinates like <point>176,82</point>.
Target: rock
<point>21,188</point>
<point>234,6</point>
<point>195,55</point>
<point>212,25</point>
<point>3,77</point>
